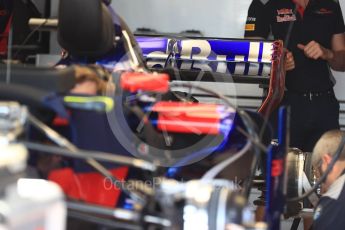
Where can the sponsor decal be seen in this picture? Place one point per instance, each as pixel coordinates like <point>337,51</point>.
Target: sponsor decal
<point>284,11</point>
<point>324,11</point>
<point>251,19</point>
<point>250,27</point>
<point>286,18</point>
<point>277,167</point>
<point>210,55</point>
<point>285,15</point>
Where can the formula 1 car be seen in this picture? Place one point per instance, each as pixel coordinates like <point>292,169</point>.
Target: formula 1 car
<point>171,122</point>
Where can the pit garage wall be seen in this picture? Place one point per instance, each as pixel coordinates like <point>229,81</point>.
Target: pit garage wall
<point>214,18</point>
<point>220,18</point>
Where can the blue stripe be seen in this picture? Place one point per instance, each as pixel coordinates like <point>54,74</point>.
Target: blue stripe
<point>261,50</point>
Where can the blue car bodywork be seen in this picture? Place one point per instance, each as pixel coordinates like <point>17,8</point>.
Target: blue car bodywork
<point>237,57</point>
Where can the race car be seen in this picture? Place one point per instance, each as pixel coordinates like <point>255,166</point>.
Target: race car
<point>113,46</point>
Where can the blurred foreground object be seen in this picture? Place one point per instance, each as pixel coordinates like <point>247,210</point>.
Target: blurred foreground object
<point>25,203</point>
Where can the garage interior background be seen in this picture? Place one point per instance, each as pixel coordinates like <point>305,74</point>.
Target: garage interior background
<point>221,18</point>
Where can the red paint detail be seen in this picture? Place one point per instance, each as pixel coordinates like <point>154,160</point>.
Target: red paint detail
<point>325,11</point>
<point>4,38</point>
<point>277,81</point>
<point>300,9</point>
<point>89,187</point>
<point>59,121</point>
<point>285,11</point>
<point>196,118</point>
<point>277,168</point>
<point>152,82</point>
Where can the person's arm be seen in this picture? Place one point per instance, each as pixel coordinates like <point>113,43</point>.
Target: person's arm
<point>334,56</point>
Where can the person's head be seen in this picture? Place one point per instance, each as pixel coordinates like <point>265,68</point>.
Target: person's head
<point>323,154</point>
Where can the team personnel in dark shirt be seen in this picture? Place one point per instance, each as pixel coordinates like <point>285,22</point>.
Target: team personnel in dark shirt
<point>330,210</point>
<point>316,43</point>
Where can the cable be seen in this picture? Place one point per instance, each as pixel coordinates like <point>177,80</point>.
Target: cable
<point>134,59</point>
<point>214,171</point>
<point>28,37</point>
<point>104,222</point>
<point>258,144</point>
<point>121,214</point>
<point>245,117</point>
<point>289,31</point>
<point>83,154</point>
<point>9,56</point>
<point>248,122</point>
<point>324,176</point>
<point>168,59</point>
<point>63,142</point>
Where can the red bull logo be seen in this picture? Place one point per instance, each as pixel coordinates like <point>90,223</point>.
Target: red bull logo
<point>286,18</point>
<point>284,11</point>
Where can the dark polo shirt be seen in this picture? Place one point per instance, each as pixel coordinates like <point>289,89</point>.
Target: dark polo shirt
<point>330,212</point>
<point>319,22</point>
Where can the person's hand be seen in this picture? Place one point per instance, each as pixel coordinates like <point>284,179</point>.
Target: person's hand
<point>315,51</point>
<point>289,61</point>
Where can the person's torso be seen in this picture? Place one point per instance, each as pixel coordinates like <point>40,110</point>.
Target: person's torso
<point>330,211</point>
<point>316,23</point>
